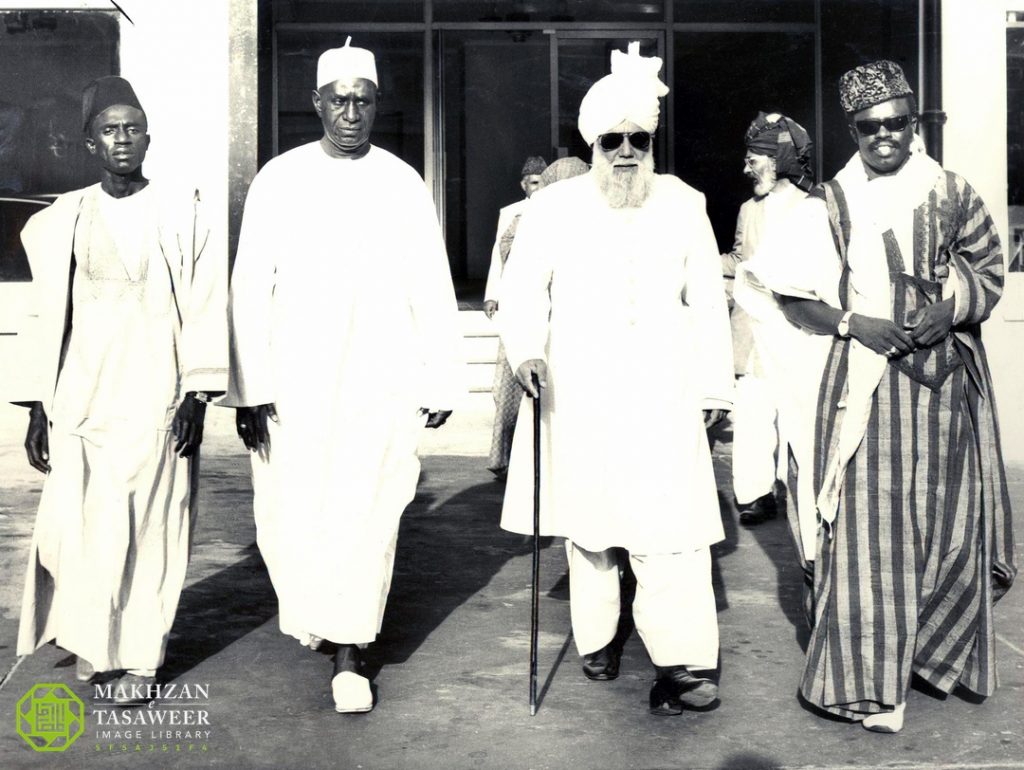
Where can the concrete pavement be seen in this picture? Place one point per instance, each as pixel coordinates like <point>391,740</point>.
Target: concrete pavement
<point>452,659</point>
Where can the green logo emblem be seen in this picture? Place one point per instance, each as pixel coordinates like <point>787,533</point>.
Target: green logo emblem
<point>50,717</point>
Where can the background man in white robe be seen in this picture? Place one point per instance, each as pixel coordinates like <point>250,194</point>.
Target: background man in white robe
<point>778,162</point>
<point>505,390</point>
<point>344,334</point>
<point>614,302</point>
<point>129,346</point>
<point>529,183</point>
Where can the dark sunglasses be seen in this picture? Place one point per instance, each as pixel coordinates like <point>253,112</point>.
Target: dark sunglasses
<point>638,140</point>
<point>893,124</point>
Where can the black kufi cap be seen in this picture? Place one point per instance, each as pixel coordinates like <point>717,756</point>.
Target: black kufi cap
<point>104,93</point>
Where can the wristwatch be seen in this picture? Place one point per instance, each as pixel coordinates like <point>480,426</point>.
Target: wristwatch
<point>200,395</point>
<point>843,327</point>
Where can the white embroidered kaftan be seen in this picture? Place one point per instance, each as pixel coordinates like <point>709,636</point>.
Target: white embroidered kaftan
<point>343,315</point>
<point>148,299</point>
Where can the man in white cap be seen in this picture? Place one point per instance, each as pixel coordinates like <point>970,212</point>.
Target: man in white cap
<point>614,303</point>
<point>129,344</point>
<point>344,335</point>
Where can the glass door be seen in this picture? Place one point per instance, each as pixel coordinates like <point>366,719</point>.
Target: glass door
<point>505,95</point>
<point>494,113</point>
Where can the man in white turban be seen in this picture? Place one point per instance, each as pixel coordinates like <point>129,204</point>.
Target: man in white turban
<point>344,335</point>
<point>614,315</point>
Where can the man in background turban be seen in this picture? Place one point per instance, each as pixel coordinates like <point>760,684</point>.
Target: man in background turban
<point>614,314</point>
<point>896,263</point>
<point>345,344</point>
<point>778,163</point>
<point>129,346</point>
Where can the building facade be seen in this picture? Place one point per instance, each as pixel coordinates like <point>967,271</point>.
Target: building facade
<point>472,87</point>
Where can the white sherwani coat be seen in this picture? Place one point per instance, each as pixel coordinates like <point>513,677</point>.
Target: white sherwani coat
<point>343,315</point>
<point>628,309</point>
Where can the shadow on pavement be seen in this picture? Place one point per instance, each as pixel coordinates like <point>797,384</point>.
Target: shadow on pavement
<point>218,610</point>
<point>723,549</point>
<point>775,539</point>
<point>748,760</point>
<point>447,552</point>
<point>553,670</point>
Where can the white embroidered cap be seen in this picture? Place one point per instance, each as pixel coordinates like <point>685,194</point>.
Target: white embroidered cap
<point>345,63</point>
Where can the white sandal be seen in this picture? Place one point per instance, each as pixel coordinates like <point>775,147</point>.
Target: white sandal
<point>887,721</point>
<point>352,693</point>
<point>84,670</point>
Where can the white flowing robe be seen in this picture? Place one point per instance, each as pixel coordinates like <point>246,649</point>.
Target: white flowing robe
<point>343,315</point>
<point>111,541</point>
<point>628,309</point>
<point>492,290</point>
<point>789,358</point>
<point>790,262</point>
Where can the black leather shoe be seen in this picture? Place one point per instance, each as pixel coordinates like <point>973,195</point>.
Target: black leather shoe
<point>603,665</point>
<point>677,689</point>
<point>759,511</point>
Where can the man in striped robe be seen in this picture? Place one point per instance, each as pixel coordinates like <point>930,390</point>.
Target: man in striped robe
<point>899,261</point>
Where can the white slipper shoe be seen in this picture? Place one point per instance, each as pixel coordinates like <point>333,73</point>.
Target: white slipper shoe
<point>351,693</point>
<point>309,640</point>
<point>84,670</point>
<point>887,721</point>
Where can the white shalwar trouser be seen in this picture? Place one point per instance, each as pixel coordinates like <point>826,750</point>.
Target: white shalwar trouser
<point>674,607</point>
<point>755,439</point>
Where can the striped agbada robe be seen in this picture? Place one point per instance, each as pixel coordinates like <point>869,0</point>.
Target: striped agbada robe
<point>921,543</point>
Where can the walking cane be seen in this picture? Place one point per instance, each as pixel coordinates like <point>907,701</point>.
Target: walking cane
<point>535,610</point>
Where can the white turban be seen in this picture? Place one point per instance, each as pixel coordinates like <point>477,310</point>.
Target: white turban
<point>345,63</point>
<point>630,92</point>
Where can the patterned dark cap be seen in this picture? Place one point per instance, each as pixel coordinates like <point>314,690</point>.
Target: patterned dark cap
<point>534,165</point>
<point>872,84</point>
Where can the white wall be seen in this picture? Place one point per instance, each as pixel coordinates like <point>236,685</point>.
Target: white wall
<point>176,56</point>
<point>974,98</point>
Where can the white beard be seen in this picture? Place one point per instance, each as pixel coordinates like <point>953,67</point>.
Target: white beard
<point>764,183</point>
<point>621,188</point>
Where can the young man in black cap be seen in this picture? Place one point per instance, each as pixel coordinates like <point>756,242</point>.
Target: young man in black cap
<point>130,344</point>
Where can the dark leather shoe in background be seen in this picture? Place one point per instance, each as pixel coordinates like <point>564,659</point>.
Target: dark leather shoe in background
<point>676,689</point>
<point>603,665</point>
<point>759,511</point>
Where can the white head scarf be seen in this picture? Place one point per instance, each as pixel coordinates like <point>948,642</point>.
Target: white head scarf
<point>345,63</point>
<point>630,92</point>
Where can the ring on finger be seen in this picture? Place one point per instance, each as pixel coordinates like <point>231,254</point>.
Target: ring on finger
<point>891,351</point>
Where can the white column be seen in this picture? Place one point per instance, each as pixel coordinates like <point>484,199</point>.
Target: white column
<point>974,97</point>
